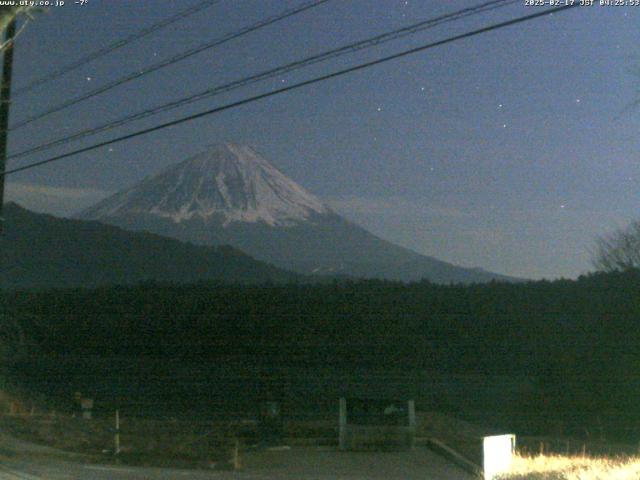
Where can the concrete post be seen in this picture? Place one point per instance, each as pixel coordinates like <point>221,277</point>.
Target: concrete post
<point>411,410</point>
<point>342,424</point>
<point>117,434</point>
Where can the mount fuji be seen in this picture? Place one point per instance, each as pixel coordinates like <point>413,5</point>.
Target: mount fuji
<point>229,194</point>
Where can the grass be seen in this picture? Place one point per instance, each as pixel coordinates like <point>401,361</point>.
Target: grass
<point>558,467</point>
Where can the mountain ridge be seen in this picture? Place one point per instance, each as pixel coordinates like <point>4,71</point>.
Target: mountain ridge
<point>42,251</point>
<point>229,194</point>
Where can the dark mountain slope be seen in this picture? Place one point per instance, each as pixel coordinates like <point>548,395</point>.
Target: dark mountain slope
<point>42,251</point>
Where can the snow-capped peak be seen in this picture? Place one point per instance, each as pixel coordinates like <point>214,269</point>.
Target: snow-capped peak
<point>226,180</point>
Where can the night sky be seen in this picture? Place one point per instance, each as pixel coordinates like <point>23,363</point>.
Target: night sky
<point>509,151</point>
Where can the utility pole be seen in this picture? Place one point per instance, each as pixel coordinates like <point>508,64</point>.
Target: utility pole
<point>5,99</point>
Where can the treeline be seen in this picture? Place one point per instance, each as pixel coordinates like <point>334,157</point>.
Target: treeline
<point>492,328</point>
<point>579,339</point>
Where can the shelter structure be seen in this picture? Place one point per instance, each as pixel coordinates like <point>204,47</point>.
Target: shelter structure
<point>376,423</point>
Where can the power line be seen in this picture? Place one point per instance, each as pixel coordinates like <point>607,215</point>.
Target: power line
<point>172,60</point>
<point>296,86</point>
<point>264,75</point>
<point>115,46</point>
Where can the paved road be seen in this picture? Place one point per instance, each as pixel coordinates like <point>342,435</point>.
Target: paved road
<point>299,463</point>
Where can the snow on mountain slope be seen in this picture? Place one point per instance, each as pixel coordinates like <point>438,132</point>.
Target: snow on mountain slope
<point>227,180</point>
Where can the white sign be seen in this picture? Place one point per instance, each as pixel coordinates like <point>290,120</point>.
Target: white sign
<point>498,453</point>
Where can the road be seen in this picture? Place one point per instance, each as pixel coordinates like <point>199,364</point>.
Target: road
<point>298,463</point>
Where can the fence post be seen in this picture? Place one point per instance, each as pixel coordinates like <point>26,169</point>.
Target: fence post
<point>411,407</point>
<point>117,435</point>
<point>236,460</point>
<point>342,424</point>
